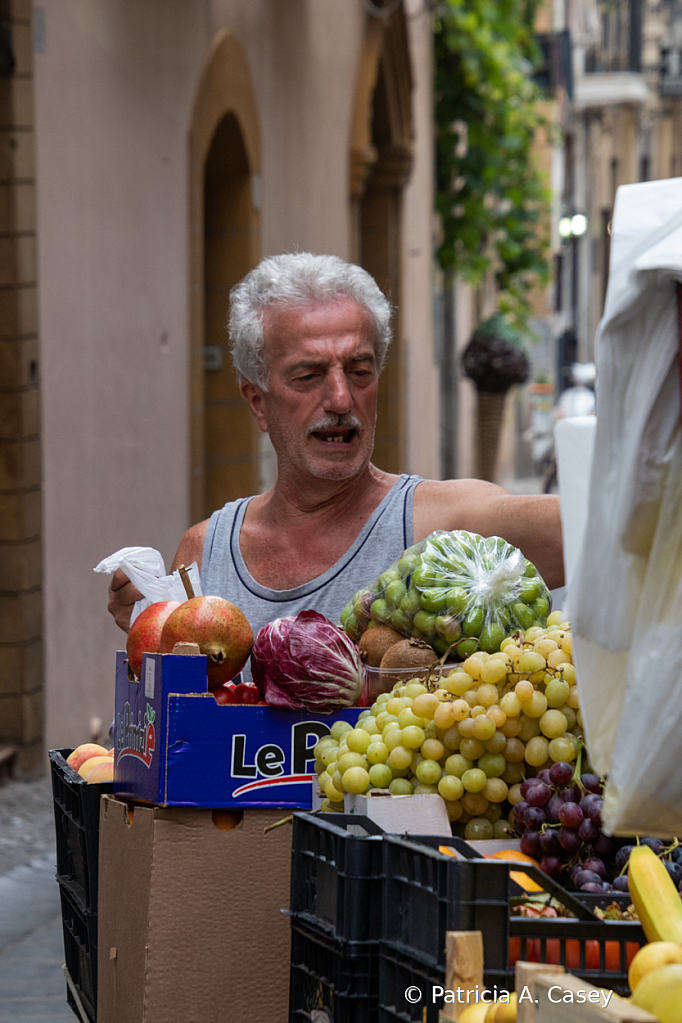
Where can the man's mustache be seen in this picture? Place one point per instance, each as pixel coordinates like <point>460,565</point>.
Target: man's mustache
<point>346,421</point>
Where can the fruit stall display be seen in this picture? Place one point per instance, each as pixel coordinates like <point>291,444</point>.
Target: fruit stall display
<point>475,733</point>
<point>488,719</point>
<point>497,734</point>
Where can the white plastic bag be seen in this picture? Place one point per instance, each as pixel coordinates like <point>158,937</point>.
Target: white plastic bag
<point>146,570</point>
<point>634,473</point>
<point>457,591</point>
<point>644,790</point>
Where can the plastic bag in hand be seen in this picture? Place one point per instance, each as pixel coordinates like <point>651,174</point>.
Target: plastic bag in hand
<point>456,591</point>
<point>146,570</point>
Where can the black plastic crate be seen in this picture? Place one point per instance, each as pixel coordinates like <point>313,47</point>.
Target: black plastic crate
<point>76,814</point>
<point>80,952</point>
<point>332,980</point>
<point>603,899</point>
<point>336,877</point>
<point>599,951</point>
<point>427,893</point>
<point>406,988</point>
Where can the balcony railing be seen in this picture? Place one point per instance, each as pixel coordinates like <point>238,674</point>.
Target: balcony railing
<point>620,44</point>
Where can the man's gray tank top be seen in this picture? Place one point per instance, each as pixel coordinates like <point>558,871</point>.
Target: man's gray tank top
<point>382,539</point>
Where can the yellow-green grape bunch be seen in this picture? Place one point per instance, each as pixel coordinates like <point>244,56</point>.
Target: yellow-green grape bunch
<point>471,736</point>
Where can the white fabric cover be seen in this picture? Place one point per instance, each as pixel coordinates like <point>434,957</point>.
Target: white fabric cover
<point>625,600</point>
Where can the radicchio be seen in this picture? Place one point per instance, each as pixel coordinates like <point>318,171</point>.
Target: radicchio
<point>306,663</point>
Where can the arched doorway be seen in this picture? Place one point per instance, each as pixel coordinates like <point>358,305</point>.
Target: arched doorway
<point>225,244</point>
<point>381,159</point>
<point>230,251</point>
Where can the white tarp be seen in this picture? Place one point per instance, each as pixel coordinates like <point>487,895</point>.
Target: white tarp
<point>625,600</point>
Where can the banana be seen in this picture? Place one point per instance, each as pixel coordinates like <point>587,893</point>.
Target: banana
<point>655,896</point>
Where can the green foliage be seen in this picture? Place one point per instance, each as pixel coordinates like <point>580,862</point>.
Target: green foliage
<point>491,196</point>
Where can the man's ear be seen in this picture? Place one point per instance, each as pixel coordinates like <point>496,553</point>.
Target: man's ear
<point>255,399</point>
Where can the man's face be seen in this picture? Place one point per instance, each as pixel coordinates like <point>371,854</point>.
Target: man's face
<point>320,406</point>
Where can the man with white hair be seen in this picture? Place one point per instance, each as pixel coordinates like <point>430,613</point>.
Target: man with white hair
<point>309,335</point>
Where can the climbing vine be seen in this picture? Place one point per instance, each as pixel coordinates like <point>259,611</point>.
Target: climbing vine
<point>490,196</point>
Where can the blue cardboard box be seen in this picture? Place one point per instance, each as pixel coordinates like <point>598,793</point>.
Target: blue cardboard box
<point>175,746</point>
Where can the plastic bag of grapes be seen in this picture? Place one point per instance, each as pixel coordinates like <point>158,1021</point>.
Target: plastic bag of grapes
<point>457,591</point>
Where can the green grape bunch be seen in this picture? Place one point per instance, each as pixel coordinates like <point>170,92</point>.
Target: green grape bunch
<point>472,735</point>
<point>457,591</point>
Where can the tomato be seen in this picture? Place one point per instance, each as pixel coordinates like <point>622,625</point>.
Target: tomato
<point>532,950</point>
<point>514,950</point>
<point>247,693</point>
<point>631,950</point>
<point>572,953</point>
<point>611,955</point>
<point>225,694</point>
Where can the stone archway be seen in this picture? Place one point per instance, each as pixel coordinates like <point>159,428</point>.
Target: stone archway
<point>380,164</point>
<point>225,186</point>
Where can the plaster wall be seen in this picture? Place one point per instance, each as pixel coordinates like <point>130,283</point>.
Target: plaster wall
<point>421,373</point>
<point>115,84</point>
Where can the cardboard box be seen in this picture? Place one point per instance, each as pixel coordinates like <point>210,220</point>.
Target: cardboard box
<point>494,845</point>
<point>402,815</point>
<point>175,746</point>
<point>190,921</point>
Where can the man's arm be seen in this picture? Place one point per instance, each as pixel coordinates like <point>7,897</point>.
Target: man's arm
<point>122,593</point>
<point>191,546</point>
<point>530,522</point>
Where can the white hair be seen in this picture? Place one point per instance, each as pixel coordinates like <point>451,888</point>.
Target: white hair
<point>297,278</point>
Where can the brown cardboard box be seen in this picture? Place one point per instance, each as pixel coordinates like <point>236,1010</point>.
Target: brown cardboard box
<point>190,927</point>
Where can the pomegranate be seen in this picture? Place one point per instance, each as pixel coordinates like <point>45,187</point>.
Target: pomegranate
<point>145,633</point>
<point>221,630</point>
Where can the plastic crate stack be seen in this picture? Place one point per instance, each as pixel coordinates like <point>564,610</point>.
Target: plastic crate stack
<point>370,915</point>
<point>336,892</point>
<point>76,811</point>
<point>427,894</point>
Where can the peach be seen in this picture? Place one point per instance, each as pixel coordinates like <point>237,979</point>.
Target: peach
<point>651,957</point>
<point>474,1013</point>
<point>83,753</point>
<point>102,771</point>
<point>85,769</point>
<point>502,1012</point>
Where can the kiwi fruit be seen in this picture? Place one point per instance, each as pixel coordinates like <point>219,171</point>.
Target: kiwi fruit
<point>375,642</point>
<point>409,653</point>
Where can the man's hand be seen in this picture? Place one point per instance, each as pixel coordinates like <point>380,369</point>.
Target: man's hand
<point>122,596</point>
<point>122,593</point>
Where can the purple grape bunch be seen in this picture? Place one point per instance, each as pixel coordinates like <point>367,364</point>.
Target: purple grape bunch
<point>559,821</point>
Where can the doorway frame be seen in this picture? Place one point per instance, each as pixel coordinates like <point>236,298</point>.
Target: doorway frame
<point>225,87</point>
<point>385,53</point>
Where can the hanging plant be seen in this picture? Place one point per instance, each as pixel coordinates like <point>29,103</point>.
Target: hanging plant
<point>490,196</point>
<point>494,358</point>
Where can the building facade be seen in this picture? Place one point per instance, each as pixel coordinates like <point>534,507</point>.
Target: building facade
<point>175,145</point>
<point>614,90</point>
